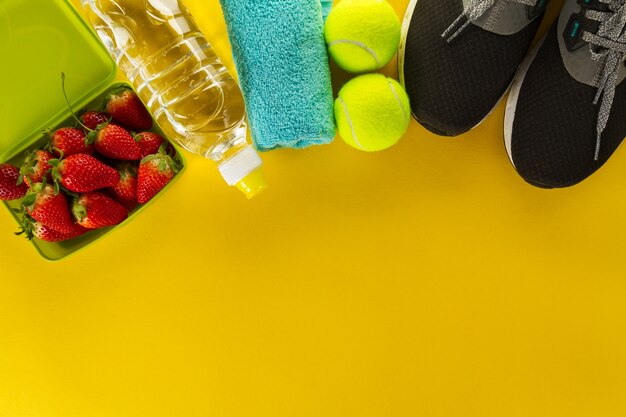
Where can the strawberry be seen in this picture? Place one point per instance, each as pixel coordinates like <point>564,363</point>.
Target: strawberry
<point>115,142</point>
<point>110,140</point>
<point>32,228</point>
<point>155,172</point>
<point>125,191</point>
<point>36,166</point>
<point>149,142</point>
<point>95,210</point>
<point>49,208</point>
<point>82,173</point>
<point>9,187</point>
<point>49,235</point>
<point>127,109</point>
<point>69,141</point>
<point>94,119</point>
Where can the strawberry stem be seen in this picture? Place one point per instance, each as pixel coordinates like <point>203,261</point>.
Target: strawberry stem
<point>78,210</point>
<point>58,151</point>
<point>26,226</point>
<point>29,201</point>
<point>69,106</point>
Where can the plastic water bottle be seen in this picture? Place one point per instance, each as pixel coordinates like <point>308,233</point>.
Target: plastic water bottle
<point>178,75</point>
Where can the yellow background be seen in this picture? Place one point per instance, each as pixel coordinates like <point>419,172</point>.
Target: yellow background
<point>428,280</point>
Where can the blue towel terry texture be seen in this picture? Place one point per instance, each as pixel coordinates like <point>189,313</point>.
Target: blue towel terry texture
<point>282,63</point>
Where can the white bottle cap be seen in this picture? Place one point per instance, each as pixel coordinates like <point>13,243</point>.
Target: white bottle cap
<point>240,165</point>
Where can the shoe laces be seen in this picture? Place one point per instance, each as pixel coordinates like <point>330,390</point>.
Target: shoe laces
<point>608,46</point>
<point>474,10</point>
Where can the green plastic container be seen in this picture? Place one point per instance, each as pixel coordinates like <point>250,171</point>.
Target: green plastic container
<point>40,39</point>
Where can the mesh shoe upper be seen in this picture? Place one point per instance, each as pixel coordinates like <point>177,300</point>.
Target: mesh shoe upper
<point>453,86</point>
<point>553,139</point>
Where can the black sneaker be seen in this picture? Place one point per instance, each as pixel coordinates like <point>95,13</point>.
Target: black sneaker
<point>457,57</point>
<point>565,113</point>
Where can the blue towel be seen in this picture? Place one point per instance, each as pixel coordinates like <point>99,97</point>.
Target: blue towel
<point>281,59</point>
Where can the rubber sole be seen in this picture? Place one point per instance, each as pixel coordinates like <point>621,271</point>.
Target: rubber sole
<point>514,93</point>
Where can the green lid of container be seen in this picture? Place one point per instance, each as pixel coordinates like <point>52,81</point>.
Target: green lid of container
<point>39,40</point>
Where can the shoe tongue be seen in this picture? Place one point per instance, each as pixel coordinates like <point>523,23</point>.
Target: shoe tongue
<point>505,17</point>
<point>578,62</point>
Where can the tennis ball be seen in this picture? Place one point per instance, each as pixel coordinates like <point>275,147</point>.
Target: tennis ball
<point>362,35</point>
<point>372,112</point>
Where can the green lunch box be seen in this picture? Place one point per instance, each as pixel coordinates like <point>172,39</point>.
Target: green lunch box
<point>40,39</point>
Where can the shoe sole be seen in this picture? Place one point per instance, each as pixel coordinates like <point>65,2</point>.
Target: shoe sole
<point>514,93</point>
<point>408,16</point>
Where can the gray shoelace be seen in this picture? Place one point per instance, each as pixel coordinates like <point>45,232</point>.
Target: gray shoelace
<point>474,10</point>
<point>608,46</point>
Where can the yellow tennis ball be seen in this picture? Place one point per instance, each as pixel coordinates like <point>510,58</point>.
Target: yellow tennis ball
<point>372,112</point>
<point>362,35</point>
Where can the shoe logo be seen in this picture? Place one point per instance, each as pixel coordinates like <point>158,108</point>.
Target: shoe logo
<point>578,24</point>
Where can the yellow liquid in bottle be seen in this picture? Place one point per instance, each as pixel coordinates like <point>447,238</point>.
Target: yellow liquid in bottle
<point>175,71</point>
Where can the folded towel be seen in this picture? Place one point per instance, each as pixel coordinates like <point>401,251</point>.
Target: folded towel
<point>281,59</point>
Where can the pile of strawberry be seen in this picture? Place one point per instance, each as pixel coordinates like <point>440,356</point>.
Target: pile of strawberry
<point>93,175</point>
